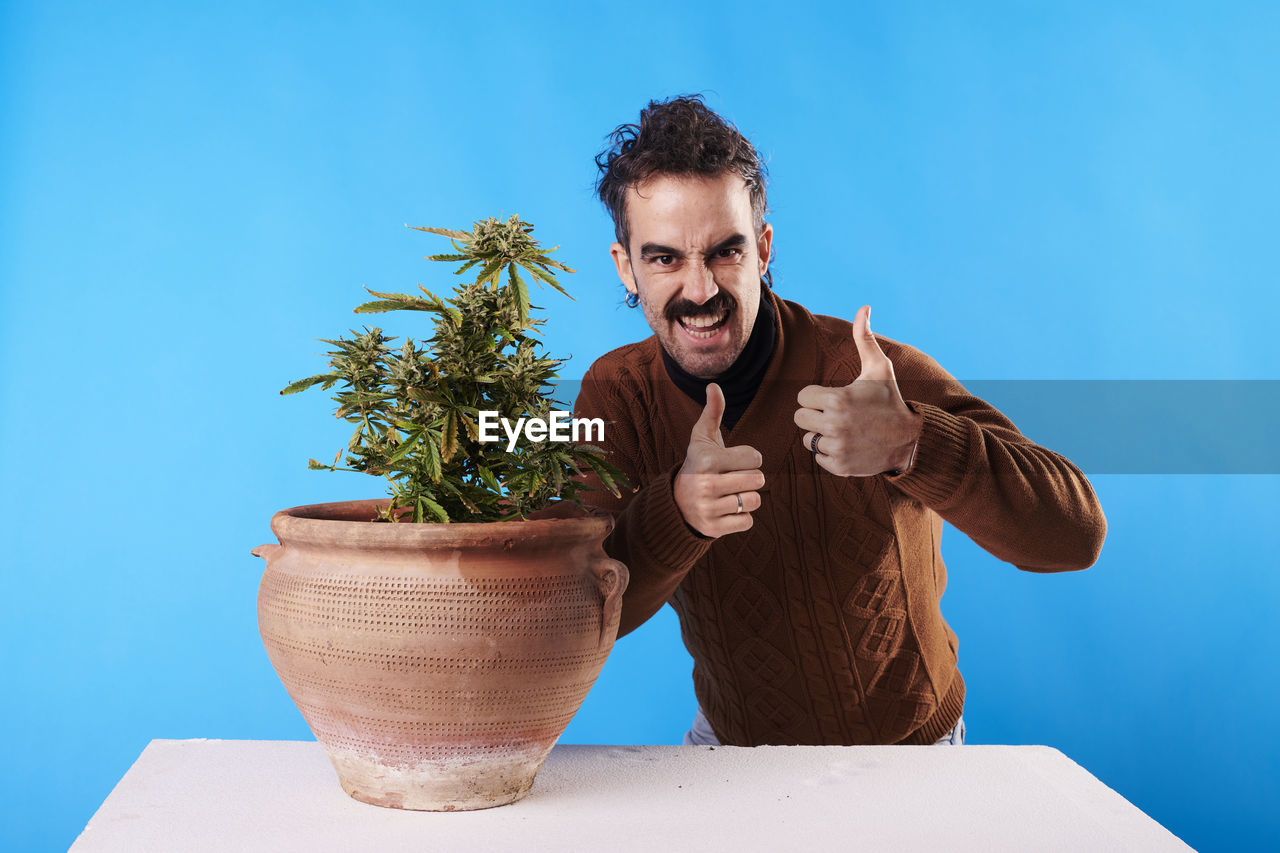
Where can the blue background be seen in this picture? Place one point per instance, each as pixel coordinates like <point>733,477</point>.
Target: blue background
<point>188,198</point>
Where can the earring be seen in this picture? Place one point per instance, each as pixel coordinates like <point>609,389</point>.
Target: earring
<point>632,300</point>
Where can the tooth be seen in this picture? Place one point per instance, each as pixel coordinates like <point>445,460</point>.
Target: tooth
<point>703,322</point>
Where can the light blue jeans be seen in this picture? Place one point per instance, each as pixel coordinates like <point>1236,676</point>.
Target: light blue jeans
<point>700,733</point>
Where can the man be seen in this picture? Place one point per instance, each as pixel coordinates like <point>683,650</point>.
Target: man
<point>792,471</point>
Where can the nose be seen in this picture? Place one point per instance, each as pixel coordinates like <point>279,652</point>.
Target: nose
<point>701,284</point>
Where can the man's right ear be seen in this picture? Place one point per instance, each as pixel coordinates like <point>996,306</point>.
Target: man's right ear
<point>622,261</point>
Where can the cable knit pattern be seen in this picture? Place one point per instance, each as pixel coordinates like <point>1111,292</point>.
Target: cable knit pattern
<point>822,624</point>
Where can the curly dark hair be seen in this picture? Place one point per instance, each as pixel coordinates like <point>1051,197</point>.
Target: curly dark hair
<point>681,136</point>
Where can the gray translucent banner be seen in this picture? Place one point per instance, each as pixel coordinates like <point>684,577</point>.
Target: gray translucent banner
<point>1147,426</point>
<point>1129,426</point>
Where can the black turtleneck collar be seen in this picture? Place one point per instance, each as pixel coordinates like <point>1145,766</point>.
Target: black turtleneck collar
<point>743,377</point>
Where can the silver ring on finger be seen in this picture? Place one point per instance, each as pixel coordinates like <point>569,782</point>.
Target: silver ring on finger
<point>738,495</point>
<point>813,443</point>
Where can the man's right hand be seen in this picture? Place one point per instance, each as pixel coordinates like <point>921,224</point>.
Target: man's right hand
<point>713,477</point>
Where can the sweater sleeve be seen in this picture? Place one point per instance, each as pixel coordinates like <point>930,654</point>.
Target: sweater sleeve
<point>650,535</point>
<point>1021,502</point>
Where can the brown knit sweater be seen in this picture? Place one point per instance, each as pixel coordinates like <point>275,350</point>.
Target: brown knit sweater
<point>821,624</point>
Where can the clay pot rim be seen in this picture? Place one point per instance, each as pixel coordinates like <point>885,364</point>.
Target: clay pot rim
<point>314,524</point>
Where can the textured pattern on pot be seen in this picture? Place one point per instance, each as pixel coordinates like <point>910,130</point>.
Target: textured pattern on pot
<point>438,663</point>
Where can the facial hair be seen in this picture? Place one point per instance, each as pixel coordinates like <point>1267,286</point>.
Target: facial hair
<point>713,307</point>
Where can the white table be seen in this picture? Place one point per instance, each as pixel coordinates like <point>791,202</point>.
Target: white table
<point>197,795</point>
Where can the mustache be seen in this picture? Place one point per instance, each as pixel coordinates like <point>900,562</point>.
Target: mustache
<point>713,307</point>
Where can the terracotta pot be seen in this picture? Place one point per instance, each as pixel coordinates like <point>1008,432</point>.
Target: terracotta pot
<point>438,663</point>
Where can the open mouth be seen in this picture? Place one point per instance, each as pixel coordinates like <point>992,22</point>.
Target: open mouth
<point>704,327</point>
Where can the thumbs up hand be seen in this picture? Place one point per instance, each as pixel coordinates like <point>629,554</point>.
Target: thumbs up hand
<point>863,428</point>
<point>715,488</point>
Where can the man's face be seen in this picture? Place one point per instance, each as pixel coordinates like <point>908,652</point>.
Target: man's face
<point>696,262</point>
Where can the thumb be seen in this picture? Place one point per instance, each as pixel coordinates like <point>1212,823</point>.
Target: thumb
<point>875,364</point>
<point>708,426</point>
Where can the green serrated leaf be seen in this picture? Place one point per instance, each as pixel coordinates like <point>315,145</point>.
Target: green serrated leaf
<point>431,459</point>
<point>405,446</point>
<point>381,306</point>
<point>489,272</point>
<point>355,437</point>
<point>304,384</point>
<point>378,307</point>
<point>449,436</point>
<point>443,232</point>
<point>544,276</point>
<point>434,508</point>
<point>417,393</point>
<point>551,262</point>
<point>603,473</point>
<point>486,477</point>
<point>535,480</point>
<point>469,427</point>
<point>521,294</point>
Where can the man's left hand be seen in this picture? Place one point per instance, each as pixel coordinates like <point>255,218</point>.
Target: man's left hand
<point>865,426</point>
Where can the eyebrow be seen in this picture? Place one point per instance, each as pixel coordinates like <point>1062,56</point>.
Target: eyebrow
<point>650,250</point>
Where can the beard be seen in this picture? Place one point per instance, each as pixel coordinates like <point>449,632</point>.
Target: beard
<point>705,361</point>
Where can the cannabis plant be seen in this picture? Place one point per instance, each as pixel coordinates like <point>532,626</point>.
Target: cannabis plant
<point>416,409</point>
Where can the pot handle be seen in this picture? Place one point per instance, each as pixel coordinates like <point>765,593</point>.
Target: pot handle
<point>266,552</point>
<point>611,577</point>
